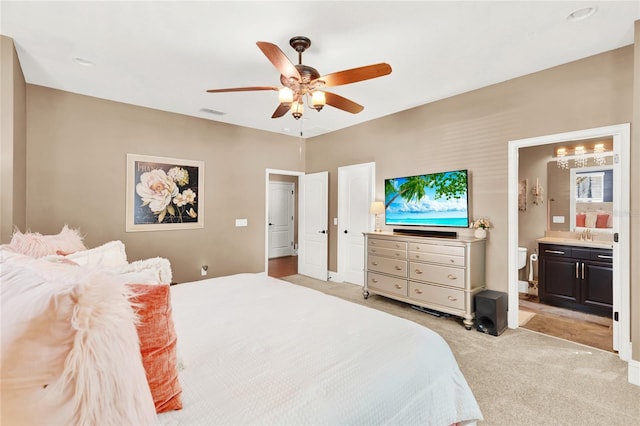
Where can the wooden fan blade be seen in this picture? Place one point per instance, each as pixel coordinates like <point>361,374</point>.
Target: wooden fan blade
<point>279,59</point>
<point>342,103</point>
<point>355,74</point>
<point>243,89</point>
<point>280,111</point>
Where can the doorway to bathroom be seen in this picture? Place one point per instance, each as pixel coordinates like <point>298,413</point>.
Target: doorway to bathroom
<point>620,135</point>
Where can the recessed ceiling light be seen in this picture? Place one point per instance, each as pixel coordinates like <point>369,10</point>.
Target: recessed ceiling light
<point>83,62</point>
<point>212,111</point>
<point>582,14</point>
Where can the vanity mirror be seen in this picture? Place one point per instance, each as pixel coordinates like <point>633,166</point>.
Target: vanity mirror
<point>580,189</point>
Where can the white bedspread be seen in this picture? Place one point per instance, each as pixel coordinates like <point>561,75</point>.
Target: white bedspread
<point>258,350</point>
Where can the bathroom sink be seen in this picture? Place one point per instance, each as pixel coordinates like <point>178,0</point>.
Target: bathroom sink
<point>575,242</point>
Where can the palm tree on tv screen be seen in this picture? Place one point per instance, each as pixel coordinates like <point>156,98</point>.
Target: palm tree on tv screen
<point>447,185</point>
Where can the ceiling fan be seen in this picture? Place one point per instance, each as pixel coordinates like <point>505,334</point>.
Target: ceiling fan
<point>302,83</point>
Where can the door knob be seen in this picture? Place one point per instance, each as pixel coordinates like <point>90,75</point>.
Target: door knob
<point>322,232</point>
<point>346,232</point>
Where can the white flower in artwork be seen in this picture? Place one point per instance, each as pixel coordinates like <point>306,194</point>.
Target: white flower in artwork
<point>186,197</point>
<point>156,190</point>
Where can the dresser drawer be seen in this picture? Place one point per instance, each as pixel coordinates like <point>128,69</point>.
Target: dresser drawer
<point>387,284</point>
<point>397,245</point>
<point>444,259</point>
<point>387,252</point>
<point>449,297</point>
<point>437,274</point>
<point>437,249</point>
<point>387,265</point>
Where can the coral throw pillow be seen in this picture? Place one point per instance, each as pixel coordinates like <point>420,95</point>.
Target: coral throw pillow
<point>602,221</point>
<point>158,344</point>
<point>581,219</point>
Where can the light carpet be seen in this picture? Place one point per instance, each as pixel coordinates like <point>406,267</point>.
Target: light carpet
<point>522,377</point>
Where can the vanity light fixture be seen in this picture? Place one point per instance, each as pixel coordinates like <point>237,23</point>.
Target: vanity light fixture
<point>561,161</point>
<point>598,151</point>
<point>580,154</point>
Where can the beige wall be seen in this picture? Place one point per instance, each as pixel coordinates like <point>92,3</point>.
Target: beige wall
<point>77,165</point>
<point>13,141</point>
<point>532,223</point>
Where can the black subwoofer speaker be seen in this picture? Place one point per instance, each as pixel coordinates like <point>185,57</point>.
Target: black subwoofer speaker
<point>491,312</point>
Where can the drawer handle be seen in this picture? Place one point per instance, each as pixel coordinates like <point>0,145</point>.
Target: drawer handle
<point>452,277</point>
<point>453,299</point>
<point>398,246</point>
<point>602,256</point>
<point>418,271</point>
<point>397,254</point>
<point>418,291</point>
<point>373,250</point>
<point>398,286</point>
<point>398,268</point>
<point>373,280</point>
<point>554,251</point>
<point>451,260</point>
<point>417,256</point>
<point>373,243</point>
<point>374,263</point>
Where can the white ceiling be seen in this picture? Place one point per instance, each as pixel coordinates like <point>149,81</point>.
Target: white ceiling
<point>165,55</point>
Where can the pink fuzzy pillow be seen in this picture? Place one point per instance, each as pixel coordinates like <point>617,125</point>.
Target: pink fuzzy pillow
<point>37,245</point>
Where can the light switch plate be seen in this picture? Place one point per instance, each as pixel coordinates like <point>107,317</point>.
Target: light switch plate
<point>241,222</point>
<point>558,219</point>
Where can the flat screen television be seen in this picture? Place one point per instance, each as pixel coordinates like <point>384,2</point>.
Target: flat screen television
<point>435,199</point>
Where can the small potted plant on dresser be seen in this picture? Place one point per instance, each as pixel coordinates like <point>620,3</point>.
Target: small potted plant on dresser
<point>481,225</point>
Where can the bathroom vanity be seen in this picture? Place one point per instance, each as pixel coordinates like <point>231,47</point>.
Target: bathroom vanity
<point>576,275</point>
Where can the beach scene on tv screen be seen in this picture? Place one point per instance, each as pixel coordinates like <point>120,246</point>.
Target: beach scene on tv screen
<point>438,199</point>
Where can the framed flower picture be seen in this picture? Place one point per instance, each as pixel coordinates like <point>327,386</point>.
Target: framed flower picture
<point>164,193</point>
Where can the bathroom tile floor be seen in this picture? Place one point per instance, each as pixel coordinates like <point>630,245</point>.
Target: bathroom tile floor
<point>579,327</point>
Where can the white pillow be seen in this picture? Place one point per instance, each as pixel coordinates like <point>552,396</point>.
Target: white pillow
<point>155,270</point>
<point>70,351</point>
<point>109,254</point>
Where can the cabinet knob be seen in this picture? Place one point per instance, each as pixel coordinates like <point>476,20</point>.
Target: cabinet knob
<point>417,256</point>
<point>418,291</point>
<point>418,271</point>
<point>452,277</point>
<point>373,280</point>
<point>453,299</point>
<point>398,268</point>
<point>374,263</point>
<point>398,286</point>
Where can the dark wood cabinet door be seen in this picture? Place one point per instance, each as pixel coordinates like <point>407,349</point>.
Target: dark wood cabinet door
<point>558,279</point>
<point>597,287</point>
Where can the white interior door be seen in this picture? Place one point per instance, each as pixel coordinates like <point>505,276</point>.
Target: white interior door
<point>313,229</point>
<point>356,191</point>
<point>281,217</point>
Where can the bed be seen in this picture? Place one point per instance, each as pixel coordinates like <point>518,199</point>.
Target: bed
<point>91,338</point>
<point>258,350</point>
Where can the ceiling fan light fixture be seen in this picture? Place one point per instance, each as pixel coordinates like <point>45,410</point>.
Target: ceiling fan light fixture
<point>285,96</point>
<point>318,100</point>
<point>297,109</point>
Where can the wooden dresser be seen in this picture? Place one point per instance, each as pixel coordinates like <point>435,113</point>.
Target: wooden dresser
<point>442,274</point>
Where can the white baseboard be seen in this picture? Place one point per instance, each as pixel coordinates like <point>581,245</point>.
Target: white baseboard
<point>634,372</point>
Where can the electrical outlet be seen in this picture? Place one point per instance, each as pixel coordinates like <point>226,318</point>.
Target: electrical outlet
<point>204,270</point>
